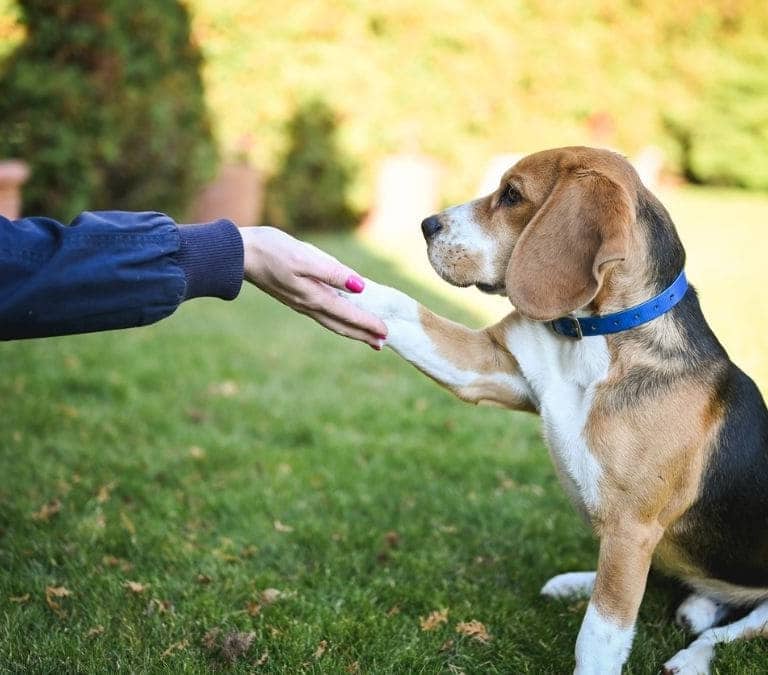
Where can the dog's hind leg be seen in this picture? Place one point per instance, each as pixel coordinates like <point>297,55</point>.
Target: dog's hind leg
<point>695,660</point>
<point>698,612</point>
<point>570,585</point>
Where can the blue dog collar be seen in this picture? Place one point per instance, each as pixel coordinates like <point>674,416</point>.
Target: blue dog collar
<point>576,328</point>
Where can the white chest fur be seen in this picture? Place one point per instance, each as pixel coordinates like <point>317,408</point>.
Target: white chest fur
<point>563,375</point>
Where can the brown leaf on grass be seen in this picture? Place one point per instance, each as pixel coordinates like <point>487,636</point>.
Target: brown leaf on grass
<point>261,660</point>
<point>203,579</point>
<point>196,415</point>
<point>235,645</point>
<point>395,609</point>
<point>475,630</point>
<point>446,646</point>
<point>19,599</point>
<point>282,527</point>
<point>210,640</point>
<point>249,551</point>
<point>196,452</point>
<point>321,649</point>
<point>353,668</point>
<point>102,496</point>
<point>175,647</point>
<point>392,539</point>
<point>48,510</point>
<point>225,389</point>
<point>113,561</point>
<point>435,619</point>
<point>253,608</point>
<point>52,592</point>
<point>136,587</point>
<point>127,523</point>
<point>95,632</point>
<point>156,606</point>
<point>270,595</point>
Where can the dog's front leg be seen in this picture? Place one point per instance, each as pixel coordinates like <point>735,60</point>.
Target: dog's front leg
<point>473,364</point>
<point>605,638</point>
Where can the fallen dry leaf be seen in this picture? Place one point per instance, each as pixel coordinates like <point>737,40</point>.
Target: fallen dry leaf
<point>235,645</point>
<point>196,452</point>
<point>253,608</point>
<point>395,609</point>
<point>446,646</point>
<point>175,647</point>
<point>113,561</point>
<point>52,592</point>
<point>95,632</point>
<point>47,511</point>
<point>321,648</point>
<point>270,595</point>
<point>261,660</point>
<point>203,579</point>
<point>102,496</point>
<point>19,599</point>
<point>282,527</point>
<point>475,630</point>
<point>210,639</point>
<point>435,619</point>
<point>227,389</point>
<point>392,539</point>
<point>127,523</point>
<point>156,606</point>
<point>136,586</point>
<point>353,668</point>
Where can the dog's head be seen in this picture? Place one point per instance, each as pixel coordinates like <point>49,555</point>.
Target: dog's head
<point>559,221</point>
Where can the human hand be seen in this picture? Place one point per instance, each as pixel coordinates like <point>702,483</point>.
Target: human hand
<point>303,277</point>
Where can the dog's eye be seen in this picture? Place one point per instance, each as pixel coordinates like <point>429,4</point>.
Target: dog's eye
<point>510,196</point>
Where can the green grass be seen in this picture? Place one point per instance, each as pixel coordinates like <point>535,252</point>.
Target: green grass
<point>177,448</point>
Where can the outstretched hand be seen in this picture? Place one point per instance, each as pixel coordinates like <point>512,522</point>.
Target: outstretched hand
<point>304,278</point>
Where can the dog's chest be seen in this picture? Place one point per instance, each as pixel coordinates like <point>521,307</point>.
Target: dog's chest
<point>563,375</point>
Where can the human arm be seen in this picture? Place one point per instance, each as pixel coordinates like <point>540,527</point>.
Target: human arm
<point>109,269</point>
<point>118,269</point>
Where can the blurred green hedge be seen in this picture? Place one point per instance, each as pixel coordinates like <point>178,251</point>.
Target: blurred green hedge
<point>105,100</point>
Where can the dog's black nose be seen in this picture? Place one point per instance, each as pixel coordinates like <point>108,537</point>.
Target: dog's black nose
<point>430,227</point>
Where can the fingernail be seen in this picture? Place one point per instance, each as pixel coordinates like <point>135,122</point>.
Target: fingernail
<point>355,284</point>
<point>376,347</point>
<point>381,337</point>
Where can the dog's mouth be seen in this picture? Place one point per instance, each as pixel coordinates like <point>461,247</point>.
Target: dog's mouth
<point>491,289</point>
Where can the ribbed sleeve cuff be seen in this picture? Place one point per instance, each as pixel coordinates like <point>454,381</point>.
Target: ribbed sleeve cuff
<point>211,257</point>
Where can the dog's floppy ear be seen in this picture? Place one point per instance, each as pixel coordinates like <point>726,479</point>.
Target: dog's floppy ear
<point>561,257</point>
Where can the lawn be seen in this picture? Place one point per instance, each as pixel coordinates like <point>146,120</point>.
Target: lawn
<point>236,488</point>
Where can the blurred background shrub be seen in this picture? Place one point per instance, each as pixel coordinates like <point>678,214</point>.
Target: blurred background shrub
<point>104,96</point>
<point>104,99</point>
<point>310,186</point>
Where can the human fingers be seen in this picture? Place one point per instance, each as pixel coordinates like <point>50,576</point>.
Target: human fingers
<point>325,301</point>
<point>323,267</point>
<point>346,330</point>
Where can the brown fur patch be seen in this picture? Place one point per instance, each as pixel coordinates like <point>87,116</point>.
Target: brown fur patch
<point>478,351</point>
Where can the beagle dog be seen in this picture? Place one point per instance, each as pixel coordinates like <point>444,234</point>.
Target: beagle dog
<point>658,438</point>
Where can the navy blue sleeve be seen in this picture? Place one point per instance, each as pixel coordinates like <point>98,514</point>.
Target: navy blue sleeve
<point>109,269</point>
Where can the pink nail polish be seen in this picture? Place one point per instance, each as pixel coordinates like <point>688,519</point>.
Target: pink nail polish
<point>355,284</point>
<point>381,337</point>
